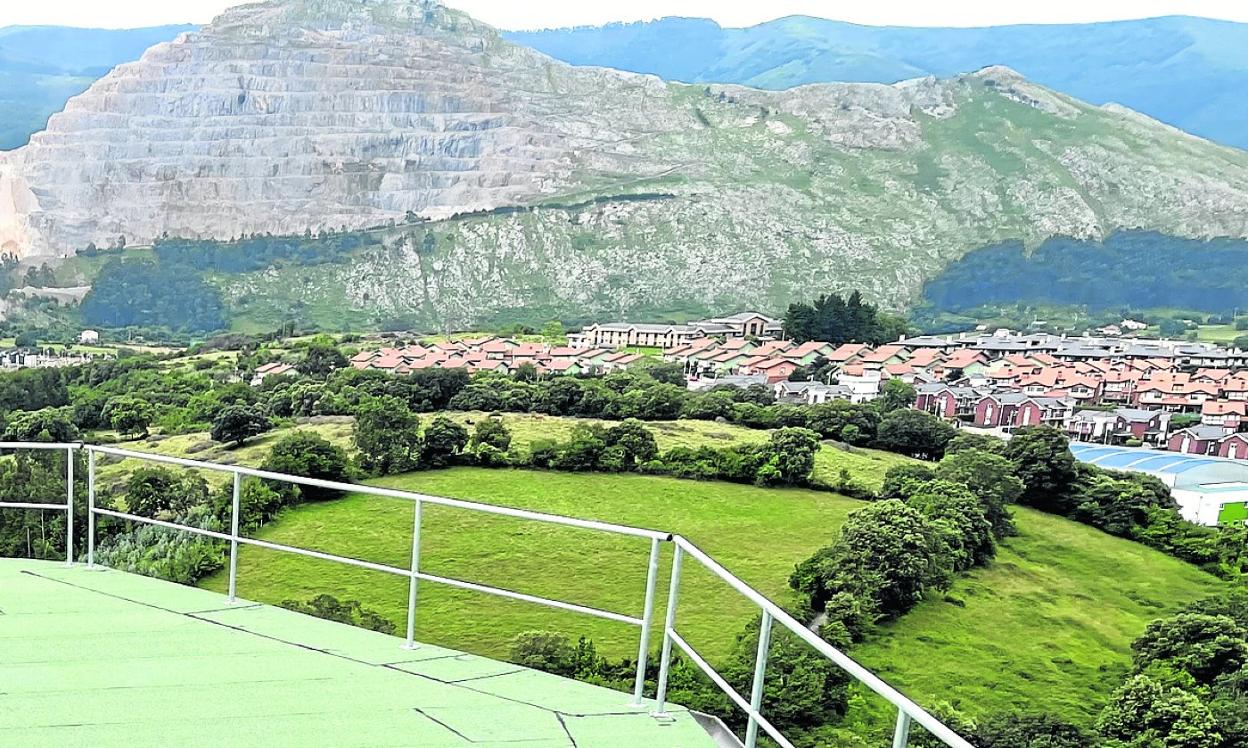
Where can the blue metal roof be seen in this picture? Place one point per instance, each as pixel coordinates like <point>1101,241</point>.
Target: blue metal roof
<point>1182,470</point>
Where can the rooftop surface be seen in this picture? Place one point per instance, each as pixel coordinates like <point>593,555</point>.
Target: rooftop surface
<point>104,658</point>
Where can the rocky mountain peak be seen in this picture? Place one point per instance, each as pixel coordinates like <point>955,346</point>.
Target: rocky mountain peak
<point>273,17</point>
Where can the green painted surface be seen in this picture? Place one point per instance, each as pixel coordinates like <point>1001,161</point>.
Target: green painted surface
<point>1233,513</point>
<point>103,658</point>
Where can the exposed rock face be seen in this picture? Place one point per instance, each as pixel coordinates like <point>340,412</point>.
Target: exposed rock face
<point>291,115</point>
<point>284,116</point>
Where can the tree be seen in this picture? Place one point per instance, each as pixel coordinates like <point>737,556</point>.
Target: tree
<point>387,435</point>
<point>350,612</point>
<point>803,689</point>
<point>45,425</point>
<point>1171,328</point>
<point>991,478</point>
<point>1028,731</point>
<point>1145,713</point>
<point>553,330</point>
<point>26,339</point>
<point>895,395</point>
<point>960,517</point>
<point>1205,647</point>
<point>308,455</point>
<point>238,423</point>
<point>129,415</point>
<point>443,439</point>
<point>887,552</point>
<point>152,491</point>
<point>970,440</point>
<point>791,452</point>
<point>900,481</point>
<point>637,444</point>
<point>526,372</point>
<point>830,419</point>
<point>321,358</point>
<point>914,433</point>
<point>547,651</point>
<point>1240,342</point>
<point>492,432</point>
<point>666,372</point>
<point>1043,461</point>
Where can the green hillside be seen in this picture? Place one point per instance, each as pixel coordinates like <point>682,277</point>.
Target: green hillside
<point>1047,627</point>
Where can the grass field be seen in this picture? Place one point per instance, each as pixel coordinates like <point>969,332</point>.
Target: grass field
<point>1047,627</point>
<point>732,522</point>
<point>867,466</point>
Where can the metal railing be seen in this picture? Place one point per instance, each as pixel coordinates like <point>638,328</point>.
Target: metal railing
<point>68,506</point>
<point>907,711</point>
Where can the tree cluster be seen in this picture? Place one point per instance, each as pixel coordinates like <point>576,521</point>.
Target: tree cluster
<point>837,320</point>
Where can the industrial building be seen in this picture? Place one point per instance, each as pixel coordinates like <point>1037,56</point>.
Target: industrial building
<point>1209,490</point>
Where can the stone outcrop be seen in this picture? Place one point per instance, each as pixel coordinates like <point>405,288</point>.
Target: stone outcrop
<point>313,114</point>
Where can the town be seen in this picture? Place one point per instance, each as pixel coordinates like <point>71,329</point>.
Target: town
<point>1174,395</point>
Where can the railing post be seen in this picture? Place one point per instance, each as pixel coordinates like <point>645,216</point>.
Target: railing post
<point>234,512</point>
<point>760,673</point>
<point>669,625</point>
<point>901,736</point>
<point>90,507</point>
<point>69,506</point>
<point>652,576</point>
<point>412,580</point>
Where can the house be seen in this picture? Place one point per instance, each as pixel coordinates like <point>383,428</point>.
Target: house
<point>1119,425</point>
<point>862,380</point>
<point>997,410</point>
<point>822,393</point>
<point>806,353</point>
<point>774,369</point>
<point>948,401</point>
<point>884,355</point>
<point>1197,440</point>
<point>625,334</point>
<point>1230,415</point>
<point>741,381</point>
<point>744,324</point>
<point>89,337</point>
<point>1044,411</point>
<point>1234,446</point>
<point>264,371</point>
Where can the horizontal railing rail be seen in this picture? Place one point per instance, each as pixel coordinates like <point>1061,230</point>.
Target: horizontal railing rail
<point>907,711</point>
<point>68,507</point>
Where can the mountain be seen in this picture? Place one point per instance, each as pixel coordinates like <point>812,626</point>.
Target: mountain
<point>1188,72</point>
<point>43,66</point>
<point>570,190</point>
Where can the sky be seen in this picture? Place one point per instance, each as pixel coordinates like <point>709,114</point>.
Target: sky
<point>531,14</point>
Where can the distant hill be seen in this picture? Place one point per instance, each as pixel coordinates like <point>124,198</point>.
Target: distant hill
<point>41,67</point>
<point>1188,72</point>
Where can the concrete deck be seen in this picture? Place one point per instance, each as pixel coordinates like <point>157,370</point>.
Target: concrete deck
<point>104,658</point>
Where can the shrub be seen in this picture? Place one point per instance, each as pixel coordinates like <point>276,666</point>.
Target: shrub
<point>238,423</point>
<point>387,435</point>
<point>308,455</point>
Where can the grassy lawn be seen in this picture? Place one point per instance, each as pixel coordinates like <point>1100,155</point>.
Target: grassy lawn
<point>1046,628</point>
<point>198,446</point>
<point>867,466</point>
<point>732,522</point>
